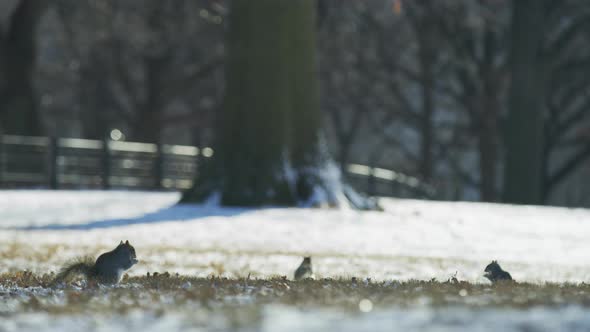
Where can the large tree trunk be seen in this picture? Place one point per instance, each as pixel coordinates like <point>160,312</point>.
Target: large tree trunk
<point>308,154</point>
<point>18,106</point>
<point>269,148</point>
<point>254,127</point>
<point>524,131</point>
<point>488,133</point>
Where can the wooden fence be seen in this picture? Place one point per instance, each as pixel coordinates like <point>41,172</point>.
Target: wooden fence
<point>68,163</point>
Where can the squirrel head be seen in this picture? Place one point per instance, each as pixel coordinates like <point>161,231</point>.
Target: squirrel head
<point>492,270</point>
<point>127,249</point>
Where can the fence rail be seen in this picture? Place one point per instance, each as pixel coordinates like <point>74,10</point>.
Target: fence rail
<point>81,163</point>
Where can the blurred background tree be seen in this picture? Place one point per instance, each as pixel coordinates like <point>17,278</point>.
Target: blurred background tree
<point>524,130</point>
<point>269,130</point>
<point>18,50</point>
<point>427,88</point>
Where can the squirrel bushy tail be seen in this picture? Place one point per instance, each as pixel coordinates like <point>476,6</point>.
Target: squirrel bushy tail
<point>82,265</point>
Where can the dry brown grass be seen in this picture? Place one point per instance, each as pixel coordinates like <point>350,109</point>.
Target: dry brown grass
<point>160,292</point>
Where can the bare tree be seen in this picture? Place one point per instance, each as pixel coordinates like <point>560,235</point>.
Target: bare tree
<point>139,65</point>
<point>478,77</point>
<point>18,100</point>
<point>566,54</point>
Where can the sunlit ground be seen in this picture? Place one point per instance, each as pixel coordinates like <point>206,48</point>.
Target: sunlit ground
<point>230,269</point>
<point>167,301</point>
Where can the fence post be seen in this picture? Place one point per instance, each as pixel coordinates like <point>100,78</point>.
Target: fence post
<point>158,166</point>
<point>198,142</point>
<point>2,162</point>
<point>106,164</point>
<point>2,158</point>
<point>52,155</point>
<point>371,182</point>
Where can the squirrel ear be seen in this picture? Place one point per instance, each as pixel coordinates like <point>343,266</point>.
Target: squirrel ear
<point>127,242</point>
<point>121,242</point>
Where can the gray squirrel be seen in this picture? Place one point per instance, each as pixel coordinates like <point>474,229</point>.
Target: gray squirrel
<point>304,270</point>
<point>495,273</point>
<point>107,269</point>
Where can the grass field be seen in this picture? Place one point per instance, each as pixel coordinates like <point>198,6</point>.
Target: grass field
<point>187,303</point>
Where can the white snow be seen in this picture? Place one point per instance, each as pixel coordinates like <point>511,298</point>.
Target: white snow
<point>285,319</point>
<point>410,240</point>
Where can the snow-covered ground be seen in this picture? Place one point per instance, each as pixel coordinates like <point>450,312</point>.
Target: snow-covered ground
<point>411,239</point>
<point>39,230</point>
<point>285,319</point>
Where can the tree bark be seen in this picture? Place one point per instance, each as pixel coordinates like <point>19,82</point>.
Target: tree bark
<point>253,125</point>
<point>524,130</point>
<point>488,133</point>
<point>18,104</point>
<point>308,154</point>
<point>269,148</point>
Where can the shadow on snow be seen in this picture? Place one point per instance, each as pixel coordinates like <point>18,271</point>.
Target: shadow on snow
<point>174,213</point>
